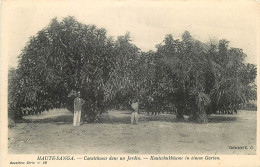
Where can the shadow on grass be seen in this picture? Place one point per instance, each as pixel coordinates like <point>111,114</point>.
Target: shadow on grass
<point>126,119</point>
<point>60,120</point>
<point>222,118</point>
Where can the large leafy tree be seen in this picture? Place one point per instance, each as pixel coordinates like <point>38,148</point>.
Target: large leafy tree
<point>187,62</point>
<point>234,83</point>
<point>124,80</point>
<point>203,78</point>
<point>65,56</point>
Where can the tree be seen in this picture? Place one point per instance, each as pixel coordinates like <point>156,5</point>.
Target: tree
<point>234,84</point>
<point>13,95</point>
<point>187,63</point>
<point>65,56</point>
<point>124,80</point>
<point>203,78</point>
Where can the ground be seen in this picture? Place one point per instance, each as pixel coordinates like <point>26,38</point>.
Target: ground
<point>52,133</point>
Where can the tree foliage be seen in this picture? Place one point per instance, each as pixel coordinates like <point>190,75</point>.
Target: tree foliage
<point>68,56</point>
<point>64,56</point>
<point>204,77</point>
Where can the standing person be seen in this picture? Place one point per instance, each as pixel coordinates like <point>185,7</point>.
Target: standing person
<point>78,102</point>
<point>135,107</point>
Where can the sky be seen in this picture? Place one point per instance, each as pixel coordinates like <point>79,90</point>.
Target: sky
<point>147,21</point>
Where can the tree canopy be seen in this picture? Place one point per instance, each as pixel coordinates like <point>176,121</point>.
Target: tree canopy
<point>198,78</point>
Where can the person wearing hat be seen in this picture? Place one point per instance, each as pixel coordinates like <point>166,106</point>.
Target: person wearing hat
<point>78,102</point>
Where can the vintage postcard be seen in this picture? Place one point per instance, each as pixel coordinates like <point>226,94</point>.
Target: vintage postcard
<point>129,83</point>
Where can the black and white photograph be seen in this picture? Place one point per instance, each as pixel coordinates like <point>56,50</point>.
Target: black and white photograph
<point>130,78</point>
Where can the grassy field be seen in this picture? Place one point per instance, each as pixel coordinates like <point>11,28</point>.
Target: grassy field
<point>52,132</point>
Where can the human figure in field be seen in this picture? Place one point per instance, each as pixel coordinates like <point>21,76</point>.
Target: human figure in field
<point>135,107</point>
<point>78,102</point>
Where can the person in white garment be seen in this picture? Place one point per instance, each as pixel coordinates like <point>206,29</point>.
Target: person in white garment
<point>78,102</point>
<point>135,107</point>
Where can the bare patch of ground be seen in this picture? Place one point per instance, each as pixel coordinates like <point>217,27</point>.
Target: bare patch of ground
<point>52,132</point>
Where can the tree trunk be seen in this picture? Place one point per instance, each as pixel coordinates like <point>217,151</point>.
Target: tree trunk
<point>179,114</point>
<point>192,116</point>
<point>202,115</point>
